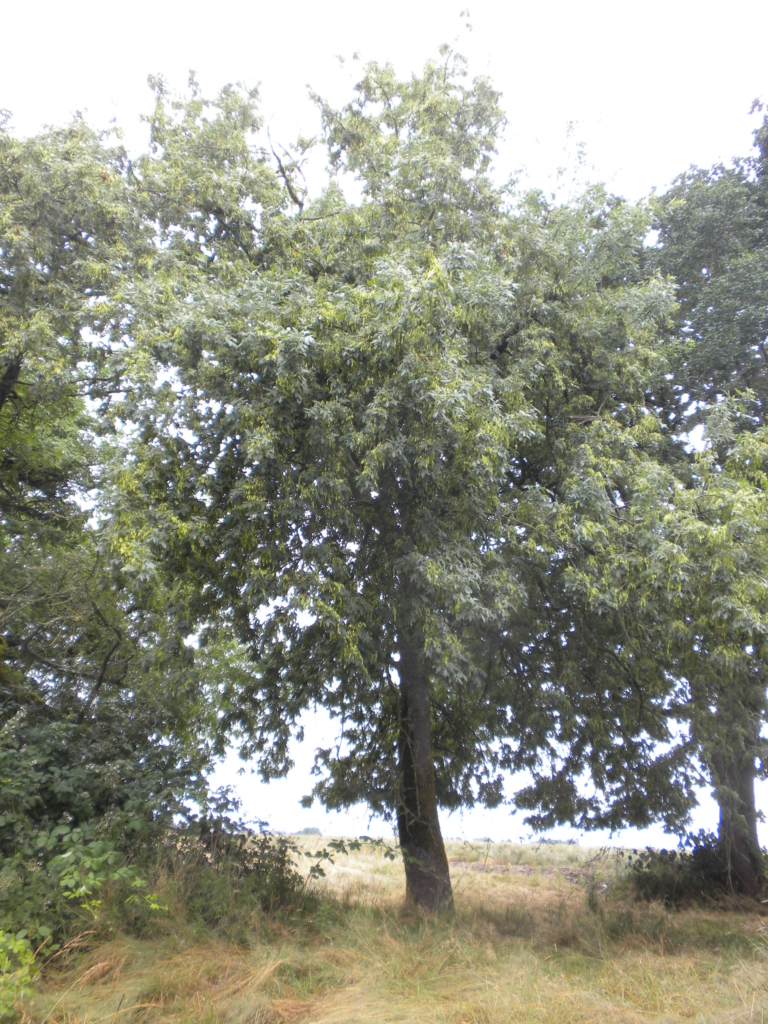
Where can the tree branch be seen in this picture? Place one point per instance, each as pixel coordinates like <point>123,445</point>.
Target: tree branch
<point>99,680</point>
<point>286,178</point>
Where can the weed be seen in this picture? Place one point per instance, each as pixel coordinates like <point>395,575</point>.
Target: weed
<point>17,970</point>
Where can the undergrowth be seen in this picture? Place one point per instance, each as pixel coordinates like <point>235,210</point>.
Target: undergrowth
<point>696,873</point>
<point>537,934</point>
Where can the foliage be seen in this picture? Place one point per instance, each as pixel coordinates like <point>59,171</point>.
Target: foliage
<point>101,706</point>
<point>696,872</point>
<point>224,878</point>
<point>63,242</point>
<point>712,240</point>
<point>710,633</point>
<point>72,785</point>
<point>664,575</point>
<point>51,887</point>
<point>17,970</point>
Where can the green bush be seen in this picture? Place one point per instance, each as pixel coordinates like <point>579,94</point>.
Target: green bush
<point>219,878</point>
<point>224,875</point>
<point>82,805</point>
<point>53,880</point>
<point>63,880</point>
<point>697,871</point>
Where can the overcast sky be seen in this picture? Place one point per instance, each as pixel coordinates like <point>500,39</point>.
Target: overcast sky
<point>649,89</point>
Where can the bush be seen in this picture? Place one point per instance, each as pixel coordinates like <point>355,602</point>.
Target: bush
<point>221,879</point>
<point>53,880</point>
<point>226,873</point>
<point>218,877</point>
<point>63,880</point>
<point>695,872</point>
<point>81,803</point>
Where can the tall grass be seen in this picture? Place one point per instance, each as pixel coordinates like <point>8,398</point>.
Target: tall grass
<point>539,934</point>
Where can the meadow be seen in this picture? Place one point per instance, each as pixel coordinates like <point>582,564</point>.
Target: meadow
<point>548,933</point>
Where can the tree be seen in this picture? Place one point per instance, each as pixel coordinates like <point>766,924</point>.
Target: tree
<point>677,576</point>
<point>101,702</point>
<point>723,629</point>
<point>713,242</point>
<point>713,239</point>
<point>62,236</point>
<point>354,429</point>
<point>417,459</point>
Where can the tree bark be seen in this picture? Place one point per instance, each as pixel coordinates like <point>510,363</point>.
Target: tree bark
<point>737,833</point>
<point>427,879</point>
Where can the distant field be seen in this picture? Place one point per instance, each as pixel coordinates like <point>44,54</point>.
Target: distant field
<point>539,934</point>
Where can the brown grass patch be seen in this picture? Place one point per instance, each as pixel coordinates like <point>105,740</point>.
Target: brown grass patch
<point>106,969</point>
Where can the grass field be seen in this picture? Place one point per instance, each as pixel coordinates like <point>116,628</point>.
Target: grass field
<point>539,934</point>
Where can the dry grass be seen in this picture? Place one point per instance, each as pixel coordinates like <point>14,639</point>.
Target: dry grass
<point>538,935</point>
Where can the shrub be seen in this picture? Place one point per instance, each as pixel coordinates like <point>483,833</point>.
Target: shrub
<point>82,805</point>
<point>220,867</point>
<point>697,871</point>
<point>53,881</point>
<point>218,876</point>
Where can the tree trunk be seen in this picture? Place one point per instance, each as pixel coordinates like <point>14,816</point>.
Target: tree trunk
<point>9,379</point>
<point>737,833</point>
<point>427,879</point>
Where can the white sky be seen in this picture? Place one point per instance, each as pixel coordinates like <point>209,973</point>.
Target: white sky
<point>651,88</point>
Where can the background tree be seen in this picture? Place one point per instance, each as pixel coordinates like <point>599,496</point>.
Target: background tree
<point>676,577</point>
<point>63,224</point>
<point>668,581</point>
<point>713,240</point>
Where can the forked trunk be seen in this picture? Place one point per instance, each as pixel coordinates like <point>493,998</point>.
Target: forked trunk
<point>735,794</point>
<point>427,879</point>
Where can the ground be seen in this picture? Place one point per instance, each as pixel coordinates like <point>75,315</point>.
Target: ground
<point>539,934</point>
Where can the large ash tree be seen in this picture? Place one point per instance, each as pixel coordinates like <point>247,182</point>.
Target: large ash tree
<point>356,427</point>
